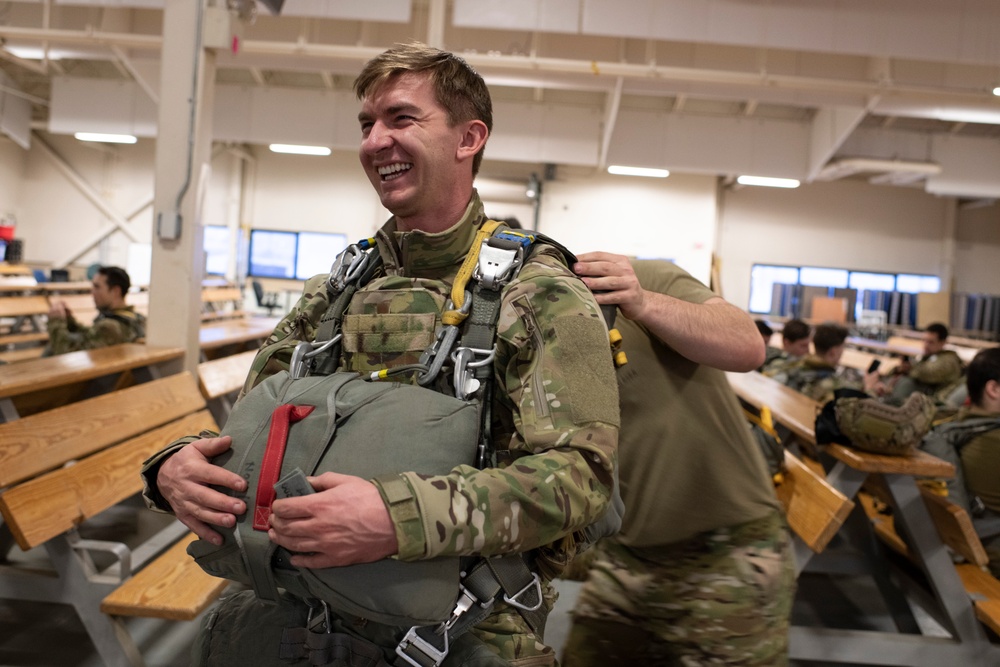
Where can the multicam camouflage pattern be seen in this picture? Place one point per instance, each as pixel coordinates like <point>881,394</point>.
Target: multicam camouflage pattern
<point>111,327</point>
<point>722,598</point>
<point>885,429</point>
<point>939,369</point>
<point>554,413</point>
<point>539,407</point>
<point>817,379</point>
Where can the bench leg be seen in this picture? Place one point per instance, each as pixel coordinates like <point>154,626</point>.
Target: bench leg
<point>108,634</point>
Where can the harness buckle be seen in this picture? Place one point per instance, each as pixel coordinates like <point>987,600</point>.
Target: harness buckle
<point>323,618</point>
<point>536,585</point>
<point>298,367</point>
<point>466,364</point>
<point>347,267</point>
<point>413,641</point>
<point>497,260</point>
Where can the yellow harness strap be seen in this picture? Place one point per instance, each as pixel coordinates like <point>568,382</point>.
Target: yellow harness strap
<point>455,316</point>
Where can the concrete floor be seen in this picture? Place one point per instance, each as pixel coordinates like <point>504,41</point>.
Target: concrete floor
<point>35,634</point>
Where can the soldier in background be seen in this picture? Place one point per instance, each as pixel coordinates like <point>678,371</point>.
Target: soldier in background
<point>701,573</point>
<point>795,337</point>
<point>116,322</point>
<point>819,375</point>
<point>935,373</point>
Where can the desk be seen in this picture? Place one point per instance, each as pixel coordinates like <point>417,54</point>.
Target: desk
<point>76,367</point>
<point>968,645</point>
<point>904,350</point>
<point>237,331</point>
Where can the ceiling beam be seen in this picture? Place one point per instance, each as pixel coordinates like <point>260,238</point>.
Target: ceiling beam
<point>122,60</point>
<point>611,107</point>
<point>830,128</point>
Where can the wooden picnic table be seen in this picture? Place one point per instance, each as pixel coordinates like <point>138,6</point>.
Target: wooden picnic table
<point>237,331</point>
<point>37,375</point>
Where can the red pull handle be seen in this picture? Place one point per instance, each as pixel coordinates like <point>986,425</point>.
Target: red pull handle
<point>274,452</point>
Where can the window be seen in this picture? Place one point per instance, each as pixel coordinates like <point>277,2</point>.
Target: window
<point>272,253</point>
<point>860,280</point>
<point>818,277</point>
<point>906,282</point>
<point>216,240</point>
<point>784,290</point>
<point>763,278</point>
<point>293,255</point>
<point>317,252</point>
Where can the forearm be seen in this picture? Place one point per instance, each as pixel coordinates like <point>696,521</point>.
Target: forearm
<point>714,333</point>
<point>535,501</point>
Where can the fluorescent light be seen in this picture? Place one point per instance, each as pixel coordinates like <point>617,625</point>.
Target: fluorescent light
<point>996,91</point>
<point>295,149</point>
<point>638,171</point>
<point>768,182</point>
<point>106,138</point>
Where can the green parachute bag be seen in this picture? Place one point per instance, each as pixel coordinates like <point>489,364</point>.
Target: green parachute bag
<point>343,424</point>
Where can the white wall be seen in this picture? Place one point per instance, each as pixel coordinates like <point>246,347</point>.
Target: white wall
<point>672,218</point>
<point>977,250</point>
<point>842,224</point>
<point>846,224</point>
<point>12,165</point>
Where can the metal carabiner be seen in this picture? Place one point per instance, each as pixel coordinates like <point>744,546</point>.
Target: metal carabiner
<point>465,384</point>
<point>347,267</point>
<point>307,350</point>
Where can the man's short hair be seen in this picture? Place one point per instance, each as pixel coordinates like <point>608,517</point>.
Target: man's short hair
<point>795,330</point>
<point>985,366</point>
<point>828,336</point>
<point>116,277</point>
<point>763,328</point>
<point>457,86</point>
<point>939,330</point>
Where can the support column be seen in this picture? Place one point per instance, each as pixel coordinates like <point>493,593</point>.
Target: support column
<point>183,159</point>
<point>948,243</point>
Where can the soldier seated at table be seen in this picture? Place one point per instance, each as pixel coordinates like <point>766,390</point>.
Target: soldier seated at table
<point>819,374</point>
<point>116,322</point>
<point>795,337</point>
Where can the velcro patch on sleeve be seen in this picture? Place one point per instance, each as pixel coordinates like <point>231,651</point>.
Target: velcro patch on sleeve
<point>584,356</point>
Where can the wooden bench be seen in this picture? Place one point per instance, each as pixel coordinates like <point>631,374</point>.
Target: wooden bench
<point>955,527</point>
<point>220,379</point>
<point>814,509</point>
<point>66,466</point>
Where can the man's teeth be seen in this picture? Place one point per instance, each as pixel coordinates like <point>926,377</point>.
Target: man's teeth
<point>392,171</point>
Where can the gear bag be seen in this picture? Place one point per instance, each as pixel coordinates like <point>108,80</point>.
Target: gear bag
<point>339,415</point>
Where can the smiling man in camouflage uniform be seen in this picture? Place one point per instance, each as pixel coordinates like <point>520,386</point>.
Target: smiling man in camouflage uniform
<point>425,119</point>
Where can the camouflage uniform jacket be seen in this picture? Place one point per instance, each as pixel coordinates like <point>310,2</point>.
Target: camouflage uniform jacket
<point>111,327</point>
<point>817,379</point>
<point>939,369</point>
<point>554,414</point>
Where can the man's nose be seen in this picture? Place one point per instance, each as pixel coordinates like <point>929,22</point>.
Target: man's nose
<point>378,138</point>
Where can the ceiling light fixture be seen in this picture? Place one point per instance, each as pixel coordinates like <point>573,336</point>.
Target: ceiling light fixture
<point>619,170</point>
<point>768,182</point>
<point>106,138</point>
<point>996,91</point>
<point>296,149</point>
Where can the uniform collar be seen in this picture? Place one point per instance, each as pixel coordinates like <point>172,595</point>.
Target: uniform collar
<point>421,254</point>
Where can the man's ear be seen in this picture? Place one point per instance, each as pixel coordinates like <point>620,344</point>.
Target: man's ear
<point>473,139</point>
<point>992,390</point>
